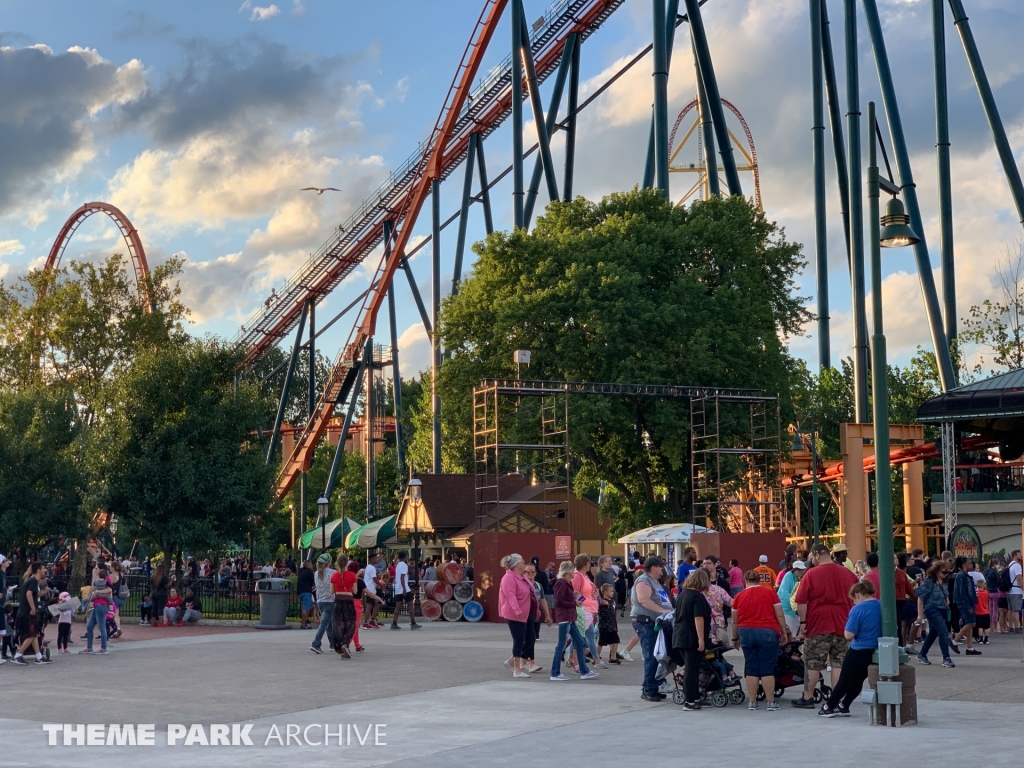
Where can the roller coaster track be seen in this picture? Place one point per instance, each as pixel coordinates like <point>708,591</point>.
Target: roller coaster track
<point>400,199</point>
<point>481,110</point>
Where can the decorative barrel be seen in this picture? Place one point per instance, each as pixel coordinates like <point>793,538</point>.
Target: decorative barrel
<point>463,591</point>
<point>473,611</point>
<point>431,610</point>
<point>441,591</point>
<point>452,610</point>
<point>453,573</point>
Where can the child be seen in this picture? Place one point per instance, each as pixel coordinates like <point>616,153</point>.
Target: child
<point>145,610</point>
<point>64,624</point>
<point>983,622</point>
<point>863,628</point>
<point>171,607</point>
<point>565,615</point>
<point>607,627</point>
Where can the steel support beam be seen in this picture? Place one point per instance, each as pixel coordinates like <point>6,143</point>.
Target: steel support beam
<point>332,476</point>
<point>909,189</point>
<point>396,378</point>
<point>467,200</point>
<point>944,176</point>
<point>485,190</point>
<point>517,122</point>
<point>283,402</point>
<point>435,354</point>
<point>540,124</point>
<point>707,130</point>
<point>836,123</point>
<point>427,325</point>
<point>988,102</point>
<point>860,326</point>
<point>671,14</point>
<point>550,122</point>
<point>369,428</point>
<point>707,73</point>
<point>570,122</point>
<point>818,159</point>
<point>660,98</point>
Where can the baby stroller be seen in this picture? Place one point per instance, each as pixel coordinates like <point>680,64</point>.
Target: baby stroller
<point>789,672</point>
<point>715,685</point>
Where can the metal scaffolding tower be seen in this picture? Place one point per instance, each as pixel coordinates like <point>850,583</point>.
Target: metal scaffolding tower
<point>735,477</point>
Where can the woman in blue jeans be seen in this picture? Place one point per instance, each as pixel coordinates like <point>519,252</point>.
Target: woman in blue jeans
<point>565,615</point>
<point>758,628</point>
<point>932,603</point>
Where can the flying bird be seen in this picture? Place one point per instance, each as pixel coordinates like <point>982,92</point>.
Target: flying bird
<point>320,191</point>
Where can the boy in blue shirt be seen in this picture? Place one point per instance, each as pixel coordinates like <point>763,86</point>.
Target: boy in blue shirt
<point>863,628</point>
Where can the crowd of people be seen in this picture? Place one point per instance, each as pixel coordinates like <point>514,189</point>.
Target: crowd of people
<point>818,606</point>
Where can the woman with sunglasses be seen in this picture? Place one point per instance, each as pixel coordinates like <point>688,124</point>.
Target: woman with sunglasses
<point>932,604</point>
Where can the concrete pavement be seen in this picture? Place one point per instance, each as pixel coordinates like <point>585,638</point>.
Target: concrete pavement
<point>441,696</point>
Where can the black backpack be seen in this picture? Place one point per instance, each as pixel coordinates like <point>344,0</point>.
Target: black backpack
<point>1004,581</point>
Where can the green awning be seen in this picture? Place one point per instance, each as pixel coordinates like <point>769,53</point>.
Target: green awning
<point>373,534</point>
<point>330,535</point>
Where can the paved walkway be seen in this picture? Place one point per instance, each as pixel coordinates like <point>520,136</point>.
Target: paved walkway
<point>442,697</point>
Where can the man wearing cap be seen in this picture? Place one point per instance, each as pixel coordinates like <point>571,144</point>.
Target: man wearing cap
<point>649,601</point>
<point>764,573</point>
<point>786,590</point>
<point>839,555</point>
<point>823,605</point>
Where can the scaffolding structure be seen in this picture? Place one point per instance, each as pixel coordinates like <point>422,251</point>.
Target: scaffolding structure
<point>546,460</point>
<point>735,470</point>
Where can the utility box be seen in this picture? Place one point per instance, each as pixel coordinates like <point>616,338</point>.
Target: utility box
<point>274,595</point>
<point>888,658</point>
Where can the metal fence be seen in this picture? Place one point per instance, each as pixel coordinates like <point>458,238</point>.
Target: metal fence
<point>981,478</point>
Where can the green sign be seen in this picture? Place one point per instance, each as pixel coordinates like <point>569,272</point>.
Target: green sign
<point>964,541</point>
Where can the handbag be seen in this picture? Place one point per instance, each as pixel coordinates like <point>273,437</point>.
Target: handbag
<point>124,593</point>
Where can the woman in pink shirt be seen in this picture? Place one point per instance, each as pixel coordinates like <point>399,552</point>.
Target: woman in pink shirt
<point>517,605</point>
<point>735,578</point>
<point>587,590</point>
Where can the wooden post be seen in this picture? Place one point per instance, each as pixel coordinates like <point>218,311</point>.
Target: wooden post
<point>913,505</point>
<point>852,447</point>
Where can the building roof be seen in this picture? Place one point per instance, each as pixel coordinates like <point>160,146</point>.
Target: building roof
<point>996,403</point>
<point>667,533</point>
<point>449,501</point>
<point>522,498</point>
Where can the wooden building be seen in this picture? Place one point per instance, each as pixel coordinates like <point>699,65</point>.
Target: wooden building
<point>448,515</point>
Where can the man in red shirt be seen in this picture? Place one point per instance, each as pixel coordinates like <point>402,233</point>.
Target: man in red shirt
<point>823,604</point>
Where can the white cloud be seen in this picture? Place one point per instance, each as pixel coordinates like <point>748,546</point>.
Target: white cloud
<point>298,8</point>
<point>11,247</point>
<point>262,13</point>
<point>413,350</point>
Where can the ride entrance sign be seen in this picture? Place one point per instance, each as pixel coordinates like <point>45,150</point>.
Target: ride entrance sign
<point>964,541</point>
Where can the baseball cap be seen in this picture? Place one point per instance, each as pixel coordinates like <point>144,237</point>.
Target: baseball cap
<point>800,565</point>
<point>840,547</point>
<point>653,561</point>
<point>763,559</point>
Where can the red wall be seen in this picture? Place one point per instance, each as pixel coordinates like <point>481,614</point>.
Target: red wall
<point>490,548</point>
<point>745,547</point>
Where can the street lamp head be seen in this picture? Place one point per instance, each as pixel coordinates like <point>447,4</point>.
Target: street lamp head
<point>896,231</point>
<point>798,444</point>
<point>113,526</point>
<point>415,490</point>
<point>322,506</point>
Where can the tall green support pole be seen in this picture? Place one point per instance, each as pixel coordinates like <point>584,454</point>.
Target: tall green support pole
<point>540,123</point>
<point>550,120</point>
<point>467,199</point>
<point>880,402</point>
<point>660,99</point>
<point>435,340</point>
<point>671,16</point>
<point>518,195</point>
<point>988,102</point>
<point>707,74</point>
<point>396,375</point>
<point>909,190</point>
<point>815,517</point>
<point>860,341</point>
<point>945,183</point>
<point>836,123</point>
<point>707,132</point>
<point>570,122</point>
<point>818,158</point>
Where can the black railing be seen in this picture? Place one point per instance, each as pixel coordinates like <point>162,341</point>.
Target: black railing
<point>981,478</point>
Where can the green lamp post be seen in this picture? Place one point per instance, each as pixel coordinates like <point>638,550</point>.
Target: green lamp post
<point>892,231</point>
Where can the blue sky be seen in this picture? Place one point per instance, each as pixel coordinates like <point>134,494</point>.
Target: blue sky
<point>202,120</point>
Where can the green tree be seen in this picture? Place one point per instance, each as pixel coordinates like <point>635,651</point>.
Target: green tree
<point>631,289</point>
<point>997,325</point>
<point>178,458</point>
<point>41,474</point>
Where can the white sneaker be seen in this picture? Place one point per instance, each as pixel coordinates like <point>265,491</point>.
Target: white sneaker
<point>559,678</point>
<point>535,668</point>
<point>520,674</point>
<point>602,664</point>
<point>508,663</point>
<point>626,656</point>
<point>589,676</point>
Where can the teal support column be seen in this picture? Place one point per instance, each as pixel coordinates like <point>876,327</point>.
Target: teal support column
<point>945,182</point>
<point>818,161</point>
<point>836,123</point>
<point>660,99</point>
<point>707,130</point>
<point>518,194</point>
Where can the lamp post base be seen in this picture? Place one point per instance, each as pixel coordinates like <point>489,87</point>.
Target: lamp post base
<point>904,713</point>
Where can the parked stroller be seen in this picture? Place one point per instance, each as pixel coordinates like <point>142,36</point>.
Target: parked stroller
<point>789,673</point>
<point>716,684</point>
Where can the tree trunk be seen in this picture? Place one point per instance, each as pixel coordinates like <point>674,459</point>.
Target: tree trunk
<point>78,563</point>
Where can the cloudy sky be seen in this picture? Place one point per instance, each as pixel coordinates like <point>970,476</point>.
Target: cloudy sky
<point>201,120</point>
